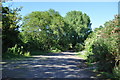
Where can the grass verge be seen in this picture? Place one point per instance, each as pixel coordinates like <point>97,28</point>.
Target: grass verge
<point>21,57</point>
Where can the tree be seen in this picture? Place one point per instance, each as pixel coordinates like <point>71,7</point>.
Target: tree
<point>35,26</point>
<point>10,20</point>
<point>79,26</point>
<point>38,26</point>
<point>59,29</point>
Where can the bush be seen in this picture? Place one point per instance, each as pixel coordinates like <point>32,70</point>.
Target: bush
<point>103,47</point>
<point>15,51</point>
<point>116,71</point>
<point>54,49</point>
<point>88,46</point>
<point>79,47</point>
<point>102,54</point>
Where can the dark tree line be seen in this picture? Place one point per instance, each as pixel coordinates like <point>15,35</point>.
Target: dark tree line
<point>44,30</point>
<point>48,29</point>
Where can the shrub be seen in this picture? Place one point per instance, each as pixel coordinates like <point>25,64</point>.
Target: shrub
<point>102,55</point>
<point>103,47</point>
<point>15,51</point>
<point>54,49</point>
<point>79,47</point>
<point>116,71</point>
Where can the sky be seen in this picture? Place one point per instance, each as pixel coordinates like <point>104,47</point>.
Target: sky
<point>65,0</point>
<point>99,12</point>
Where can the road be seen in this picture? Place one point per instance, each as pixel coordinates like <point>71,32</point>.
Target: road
<point>53,65</point>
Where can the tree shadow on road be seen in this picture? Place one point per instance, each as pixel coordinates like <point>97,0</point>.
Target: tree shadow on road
<point>50,67</point>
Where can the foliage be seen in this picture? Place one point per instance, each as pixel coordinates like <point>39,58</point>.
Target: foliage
<point>55,50</point>
<point>43,30</point>
<point>82,54</point>
<point>79,26</point>
<point>10,19</point>
<point>15,51</point>
<point>103,46</point>
<point>102,55</point>
<point>79,47</point>
<point>47,29</point>
<point>38,26</point>
<point>116,71</point>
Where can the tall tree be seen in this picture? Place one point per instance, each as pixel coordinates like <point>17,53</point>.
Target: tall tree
<point>59,29</point>
<point>35,25</point>
<point>10,20</point>
<point>45,29</point>
<point>79,26</point>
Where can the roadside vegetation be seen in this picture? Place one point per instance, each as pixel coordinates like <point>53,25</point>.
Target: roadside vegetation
<point>42,32</point>
<point>102,47</point>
